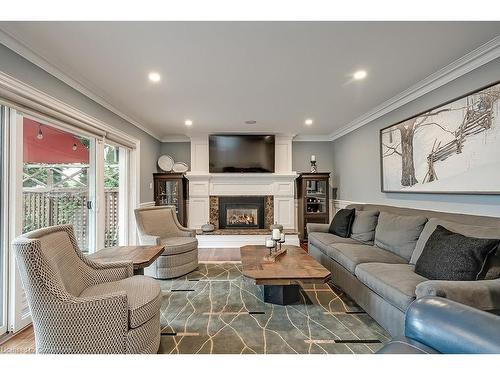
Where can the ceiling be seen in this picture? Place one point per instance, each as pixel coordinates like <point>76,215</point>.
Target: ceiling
<point>220,74</point>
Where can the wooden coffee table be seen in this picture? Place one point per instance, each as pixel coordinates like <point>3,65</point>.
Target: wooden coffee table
<point>282,279</point>
<point>140,256</point>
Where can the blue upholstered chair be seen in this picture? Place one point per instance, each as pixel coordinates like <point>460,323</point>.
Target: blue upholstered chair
<point>439,325</point>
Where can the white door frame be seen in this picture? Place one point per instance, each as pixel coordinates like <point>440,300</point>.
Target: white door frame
<point>16,319</point>
<point>4,215</point>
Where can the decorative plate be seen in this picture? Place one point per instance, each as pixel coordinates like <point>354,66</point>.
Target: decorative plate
<point>180,167</point>
<point>165,162</point>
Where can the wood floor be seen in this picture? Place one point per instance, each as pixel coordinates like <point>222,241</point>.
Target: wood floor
<point>24,341</point>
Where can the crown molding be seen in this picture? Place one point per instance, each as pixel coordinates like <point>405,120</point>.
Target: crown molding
<point>312,138</point>
<point>473,60</point>
<point>176,138</point>
<point>29,54</point>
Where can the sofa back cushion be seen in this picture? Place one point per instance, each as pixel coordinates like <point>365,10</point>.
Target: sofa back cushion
<point>398,234</point>
<point>452,256</point>
<point>363,227</point>
<point>477,231</point>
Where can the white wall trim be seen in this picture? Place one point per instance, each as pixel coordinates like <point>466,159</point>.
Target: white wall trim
<point>473,60</point>
<point>29,54</point>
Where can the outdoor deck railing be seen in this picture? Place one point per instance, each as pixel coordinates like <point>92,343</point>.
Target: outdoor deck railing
<point>44,208</point>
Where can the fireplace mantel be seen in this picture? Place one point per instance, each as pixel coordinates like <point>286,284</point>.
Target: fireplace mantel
<point>202,184</point>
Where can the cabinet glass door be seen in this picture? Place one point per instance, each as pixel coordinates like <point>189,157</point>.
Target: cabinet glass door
<point>316,196</point>
<point>168,193</point>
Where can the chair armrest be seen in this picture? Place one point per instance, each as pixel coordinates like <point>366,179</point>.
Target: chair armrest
<point>186,232</point>
<point>315,227</point>
<point>481,294</point>
<point>99,273</point>
<point>451,327</point>
<point>86,325</point>
<point>147,239</point>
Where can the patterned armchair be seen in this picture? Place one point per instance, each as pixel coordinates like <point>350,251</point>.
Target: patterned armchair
<point>159,226</point>
<point>81,306</point>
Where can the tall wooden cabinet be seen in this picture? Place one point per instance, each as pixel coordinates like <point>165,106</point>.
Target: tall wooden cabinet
<point>313,195</point>
<point>171,189</point>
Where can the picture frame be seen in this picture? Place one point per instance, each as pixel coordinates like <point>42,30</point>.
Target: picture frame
<point>452,148</point>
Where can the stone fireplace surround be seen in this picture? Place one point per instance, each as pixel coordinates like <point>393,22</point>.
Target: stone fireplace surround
<point>268,210</point>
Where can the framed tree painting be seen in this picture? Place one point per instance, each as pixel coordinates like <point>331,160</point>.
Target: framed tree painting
<point>452,148</point>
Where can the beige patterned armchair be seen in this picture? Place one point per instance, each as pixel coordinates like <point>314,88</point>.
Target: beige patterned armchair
<point>159,226</point>
<point>81,306</point>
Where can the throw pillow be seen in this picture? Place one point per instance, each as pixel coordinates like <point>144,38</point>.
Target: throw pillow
<point>452,256</point>
<point>468,230</point>
<point>398,234</point>
<point>342,222</point>
<point>363,227</point>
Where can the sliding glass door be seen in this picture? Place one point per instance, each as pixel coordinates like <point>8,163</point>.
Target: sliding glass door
<point>51,174</point>
<point>58,180</point>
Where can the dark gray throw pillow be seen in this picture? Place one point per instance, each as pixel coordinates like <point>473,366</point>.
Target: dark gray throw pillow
<point>342,222</point>
<point>452,256</point>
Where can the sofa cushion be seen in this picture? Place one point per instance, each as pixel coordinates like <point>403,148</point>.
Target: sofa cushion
<point>178,245</point>
<point>143,296</point>
<point>452,256</point>
<point>322,240</point>
<point>342,222</point>
<point>477,231</point>
<point>395,283</point>
<point>398,234</point>
<point>363,227</point>
<point>350,255</point>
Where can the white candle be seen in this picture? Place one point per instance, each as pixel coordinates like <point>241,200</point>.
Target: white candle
<point>313,157</point>
<point>282,237</point>
<point>269,243</point>
<point>276,234</point>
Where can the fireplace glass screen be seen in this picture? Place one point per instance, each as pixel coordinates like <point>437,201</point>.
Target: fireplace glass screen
<point>242,216</point>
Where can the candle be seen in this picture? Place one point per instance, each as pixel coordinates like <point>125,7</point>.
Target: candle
<point>269,243</point>
<point>282,238</point>
<point>313,157</point>
<point>276,234</point>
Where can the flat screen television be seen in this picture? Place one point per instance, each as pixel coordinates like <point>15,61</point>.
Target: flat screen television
<point>230,153</point>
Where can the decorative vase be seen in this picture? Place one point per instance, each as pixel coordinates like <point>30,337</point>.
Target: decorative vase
<point>208,227</point>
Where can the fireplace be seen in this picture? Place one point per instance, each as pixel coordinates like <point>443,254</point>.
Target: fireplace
<point>241,212</point>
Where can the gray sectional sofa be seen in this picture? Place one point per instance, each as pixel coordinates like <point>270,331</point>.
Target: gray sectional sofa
<point>383,282</point>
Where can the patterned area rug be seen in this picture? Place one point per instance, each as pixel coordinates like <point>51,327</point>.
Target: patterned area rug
<point>217,310</point>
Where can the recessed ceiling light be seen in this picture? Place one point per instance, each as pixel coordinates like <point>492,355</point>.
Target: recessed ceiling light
<point>154,77</point>
<point>308,122</point>
<point>360,74</point>
<point>250,122</point>
<point>188,122</point>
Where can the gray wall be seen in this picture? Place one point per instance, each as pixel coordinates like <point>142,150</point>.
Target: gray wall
<point>20,68</point>
<point>356,155</point>
<point>301,156</point>
<point>180,151</point>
